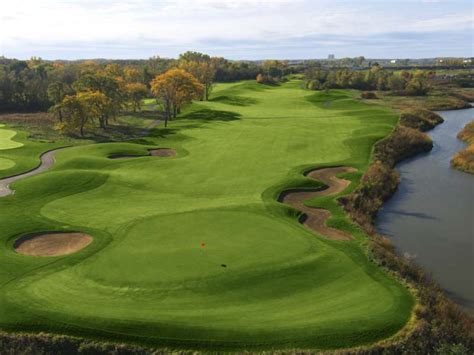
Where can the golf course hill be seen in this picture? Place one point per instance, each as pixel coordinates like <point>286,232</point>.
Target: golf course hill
<point>190,237</point>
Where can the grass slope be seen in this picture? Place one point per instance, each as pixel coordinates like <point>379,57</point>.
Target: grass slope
<point>146,278</point>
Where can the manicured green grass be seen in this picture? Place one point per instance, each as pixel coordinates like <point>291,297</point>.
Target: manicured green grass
<point>6,164</point>
<point>147,277</point>
<point>22,154</point>
<point>6,141</point>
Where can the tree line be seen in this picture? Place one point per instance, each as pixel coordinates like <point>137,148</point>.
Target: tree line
<point>24,83</point>
<point>86,94</point>
<point>411,83</point>
<point>91,93</point>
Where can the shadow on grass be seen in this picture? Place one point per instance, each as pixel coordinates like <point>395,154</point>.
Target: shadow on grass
<point>211,115</point>
<point>143,113</point>
<point>234,100</point>
<point>122,133</point>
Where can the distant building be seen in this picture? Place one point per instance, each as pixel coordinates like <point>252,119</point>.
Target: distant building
<point>331,56</point>
<point>467,61</point>
<point>393,61</point>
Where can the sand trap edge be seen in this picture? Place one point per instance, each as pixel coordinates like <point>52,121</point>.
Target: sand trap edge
<point>47,244</point>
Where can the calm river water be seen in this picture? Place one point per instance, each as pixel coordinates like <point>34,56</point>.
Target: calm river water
<point>431,216</point>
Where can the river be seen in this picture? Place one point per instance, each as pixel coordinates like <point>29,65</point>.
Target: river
<point>431,216</point>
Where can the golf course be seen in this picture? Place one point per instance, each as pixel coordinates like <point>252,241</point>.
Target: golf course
<point>220,232</point>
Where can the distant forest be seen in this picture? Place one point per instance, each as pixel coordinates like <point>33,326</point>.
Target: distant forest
<point>37,84</point>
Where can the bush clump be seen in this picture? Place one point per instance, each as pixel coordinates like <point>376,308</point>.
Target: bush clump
<point>423,120</point>
<point>369,95</point>
<point>464,160</point>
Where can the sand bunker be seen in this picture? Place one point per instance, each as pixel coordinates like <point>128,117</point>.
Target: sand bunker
<point>315,218</point>
<point>52,244</point>
<point>158,152</point>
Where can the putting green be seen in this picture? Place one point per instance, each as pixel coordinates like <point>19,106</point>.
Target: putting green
<point>194,251</point>
<point>6,141</point>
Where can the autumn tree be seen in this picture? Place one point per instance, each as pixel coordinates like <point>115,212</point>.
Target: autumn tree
<point>57,90</point>
<point>112,87</point>
<point>81,110</point>
<point>131,75</point>
<point>135,93</point>
<point>175,88</point>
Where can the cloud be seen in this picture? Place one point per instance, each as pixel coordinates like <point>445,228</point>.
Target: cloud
<point>72,28</point>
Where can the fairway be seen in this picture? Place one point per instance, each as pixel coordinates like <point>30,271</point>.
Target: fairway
<point>191,247</point>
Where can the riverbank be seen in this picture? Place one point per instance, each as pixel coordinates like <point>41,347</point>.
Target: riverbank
<point>464,159</point>
<point>440,323</point>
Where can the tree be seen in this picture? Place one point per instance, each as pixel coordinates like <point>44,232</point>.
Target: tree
<point>112,87</point>
<point>131,75</point>
<point>417,87</point>
<point>56,92</point>
<point>175,88</point>
<point>81,110</point>
<point>202,67</point>
<point>275,69</point>
<point>135,93</point>
<point>191,56</point>
<point>396,83</point>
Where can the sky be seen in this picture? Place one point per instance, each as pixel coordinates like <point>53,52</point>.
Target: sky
<point>236,29</point>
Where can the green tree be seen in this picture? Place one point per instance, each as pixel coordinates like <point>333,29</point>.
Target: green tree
<point>202,67</point>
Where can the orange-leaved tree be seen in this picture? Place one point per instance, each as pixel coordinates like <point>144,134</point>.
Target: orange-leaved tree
<point>175,88</point>
<point>203,71</point>
<point>82,109</point>
<point>135,93</point>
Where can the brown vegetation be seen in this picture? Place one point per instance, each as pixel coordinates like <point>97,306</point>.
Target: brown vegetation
<point>43,344</point>
<point>35,119</point>
<point>369,95</point>
<point>420,119</point>
<point>450,99</point>
<point>464,160</point>
<point>441,327</point>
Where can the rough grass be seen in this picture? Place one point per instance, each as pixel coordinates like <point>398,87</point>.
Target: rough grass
<point>147,279</point>
<point>437,100</point>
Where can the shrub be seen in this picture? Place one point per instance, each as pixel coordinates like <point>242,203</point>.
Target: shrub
<point>467,133</point>
<point>417,87</point>
<point>265,79</point>
<point>368,95</point>
<point>313,85</point>
<point>423,120</point>
<point>464,160</point>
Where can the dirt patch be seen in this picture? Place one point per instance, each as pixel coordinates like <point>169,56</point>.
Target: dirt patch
<point>315,218</point>
<point>158,152</point>
<point>52,244</point>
